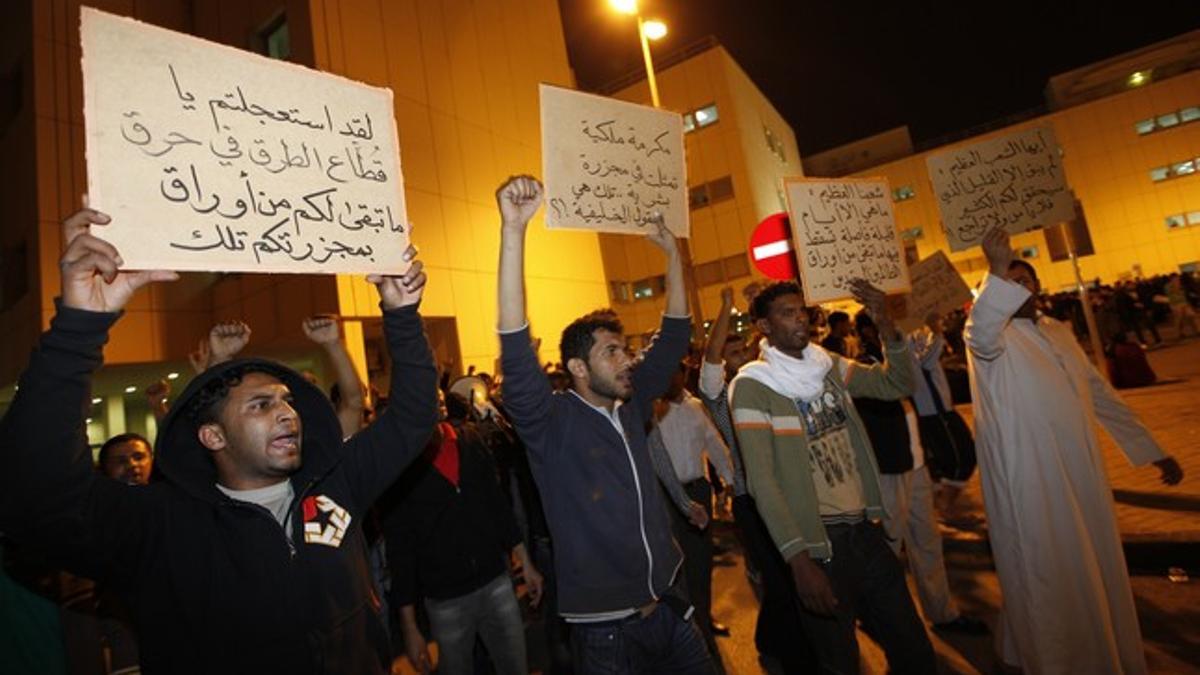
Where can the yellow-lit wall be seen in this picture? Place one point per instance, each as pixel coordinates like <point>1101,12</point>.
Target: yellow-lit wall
<point>734,146</point>
<point>465,77</point>
<point>1107,165</point>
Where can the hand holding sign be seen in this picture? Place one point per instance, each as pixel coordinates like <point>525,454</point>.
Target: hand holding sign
<point>997,248</point>
<point>662,237</point>
<point>403,290</point>
<point>875,302</point>
<point>91,279</point>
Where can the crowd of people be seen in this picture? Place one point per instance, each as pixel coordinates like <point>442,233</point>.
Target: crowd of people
<point>274,526</point>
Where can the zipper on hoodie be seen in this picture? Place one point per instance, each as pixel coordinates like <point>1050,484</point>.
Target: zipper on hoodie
<point>641,512</point>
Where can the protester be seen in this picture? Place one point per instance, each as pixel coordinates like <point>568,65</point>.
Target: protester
<point>693,444</point>
<point>248,556</point>
<point>616,560</point>
<point>127,458</point>
<point>777,631</point>
<point>838,341</point>
<point>450,536</point>
<point>1068,607</point>
<point>907,490</point>
<point>810,467</point>
<point>351,403</point>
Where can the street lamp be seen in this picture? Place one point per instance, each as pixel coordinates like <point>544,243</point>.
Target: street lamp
<point>651,29</point>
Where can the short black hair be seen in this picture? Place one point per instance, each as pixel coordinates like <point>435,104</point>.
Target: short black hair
<point>760,307</point>
<point>863,320</point>
<point>206,404</point>
<point>578,338</point>
<point>1017,262</point>
<point>457,407</point>
<point>838,318</point>
<point>120,439</point>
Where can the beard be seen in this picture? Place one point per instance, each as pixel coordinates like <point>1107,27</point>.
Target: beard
<point>610,387</point>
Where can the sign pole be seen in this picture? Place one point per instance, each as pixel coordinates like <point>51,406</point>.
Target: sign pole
<point>1085,300</point>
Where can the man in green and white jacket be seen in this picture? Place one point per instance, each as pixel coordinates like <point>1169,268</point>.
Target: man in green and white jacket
<point>811,470</point>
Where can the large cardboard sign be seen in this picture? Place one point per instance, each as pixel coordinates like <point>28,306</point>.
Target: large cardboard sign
<point>936,287</point>
<point>1014,181</point>
<point>611,166</point>
<point>844,229</point>
<point>211,158</point>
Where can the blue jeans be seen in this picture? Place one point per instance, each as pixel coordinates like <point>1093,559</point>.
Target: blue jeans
<point>659,643</point>
<point>492,613</point>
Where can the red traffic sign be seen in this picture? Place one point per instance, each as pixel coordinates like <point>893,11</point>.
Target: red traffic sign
<point>771,248</point>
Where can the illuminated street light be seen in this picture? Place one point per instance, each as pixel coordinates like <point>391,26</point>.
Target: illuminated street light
<point>1139,78</point>
<point>654,29</point>
<point>624,6</point>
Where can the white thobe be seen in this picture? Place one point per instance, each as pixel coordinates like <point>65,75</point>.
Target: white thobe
<point>1067,602</point>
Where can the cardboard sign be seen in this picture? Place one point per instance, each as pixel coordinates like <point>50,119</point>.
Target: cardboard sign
<point>611,166</point>
<point>844,229</point>
<point>1015,182</point>
<point>936,287</point>
<point>211,158</point>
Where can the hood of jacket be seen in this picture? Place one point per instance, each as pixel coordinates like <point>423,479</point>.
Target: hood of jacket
<point>183,460</point>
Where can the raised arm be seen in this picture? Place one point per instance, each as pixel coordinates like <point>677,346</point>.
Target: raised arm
<point>653,375</point>
<point>527,393</point>
<point>893,379</point>
<point>376,455</point>
<point>323,330</point>
<point>999,299</point>
<point>50,494</point>
<point>710,387</point>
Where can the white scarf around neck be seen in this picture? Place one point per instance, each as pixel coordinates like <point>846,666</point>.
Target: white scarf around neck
<point>795,378</point>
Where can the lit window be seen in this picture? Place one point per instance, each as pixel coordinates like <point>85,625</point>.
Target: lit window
<point>1160,173</point>
<point>1176,221</point>
<point>689,123</point>
<point>275,41</point>
<point>1193,218</point>
<point>620,291</point>
<point>720,189</point>
<point>1144,127</point>
<point>1189,114</point>
<point>698,196</point>
<point>1029,252</point>
<point>648,288</point>
<point>1184,168</point>
<point>706,115</point>
<point>1168,120</point>
<point>903,192</point>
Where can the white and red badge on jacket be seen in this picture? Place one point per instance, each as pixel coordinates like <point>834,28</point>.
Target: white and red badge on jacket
<point>324,521</point>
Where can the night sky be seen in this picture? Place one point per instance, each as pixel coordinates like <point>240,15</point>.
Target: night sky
<point>840,71</point>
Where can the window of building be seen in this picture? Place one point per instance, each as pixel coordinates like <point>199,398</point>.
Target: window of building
<point>720,189</point>
<point>903,192</point>
<point>689,123</point>
<point>1189,114</point>
<point>698,196</point>
<point>706,115</point>
<point>274,39</point>
<point>1160,173</point>
<point>1193,218</point>
<point>620,291</point>
<point>1167,121</point>
<point>1144,127</point>
<point>1183,168</point>
<point>1176,221</point>
<point>648,288</point>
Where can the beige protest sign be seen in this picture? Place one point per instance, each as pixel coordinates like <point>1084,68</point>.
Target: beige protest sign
<point>609,165</point>
<point>936,287</point>
<point>211,158</point>
<point>844,229</point>
<point>1014,181</point>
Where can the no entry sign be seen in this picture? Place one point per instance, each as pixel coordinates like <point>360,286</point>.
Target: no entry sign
<point>771,248</point>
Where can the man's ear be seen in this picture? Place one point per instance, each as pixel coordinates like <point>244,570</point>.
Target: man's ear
<point>763,325</point>
<point>212,436</point>
<point>577,367</point>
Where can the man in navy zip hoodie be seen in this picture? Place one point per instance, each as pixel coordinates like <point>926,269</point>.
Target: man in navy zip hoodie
<point>245,559</point>
<point>615,558</point>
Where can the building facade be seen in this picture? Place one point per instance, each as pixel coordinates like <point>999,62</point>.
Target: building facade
<point>464,74</point>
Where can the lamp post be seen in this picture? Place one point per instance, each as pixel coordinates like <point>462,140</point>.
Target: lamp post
<point>653,29</point>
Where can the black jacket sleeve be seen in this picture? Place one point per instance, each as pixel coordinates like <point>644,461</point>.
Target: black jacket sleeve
<point>51,497</point>
<point>375,456</point>
<point>653,375</point>
<point>528,398</point>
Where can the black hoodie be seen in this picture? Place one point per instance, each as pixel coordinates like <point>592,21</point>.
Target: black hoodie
<point>215,584</point>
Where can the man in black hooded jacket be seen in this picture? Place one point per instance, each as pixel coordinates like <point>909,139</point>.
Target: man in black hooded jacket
<point>249,556</point>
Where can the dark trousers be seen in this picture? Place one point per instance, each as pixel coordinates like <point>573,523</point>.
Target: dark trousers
<point>778,632</point>
<point>869,585</point>
<point>697,552</point>
<point>660,643</point>
<point>558,632</point>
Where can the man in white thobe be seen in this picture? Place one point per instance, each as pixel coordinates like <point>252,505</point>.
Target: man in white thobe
<point>1067,602</point>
